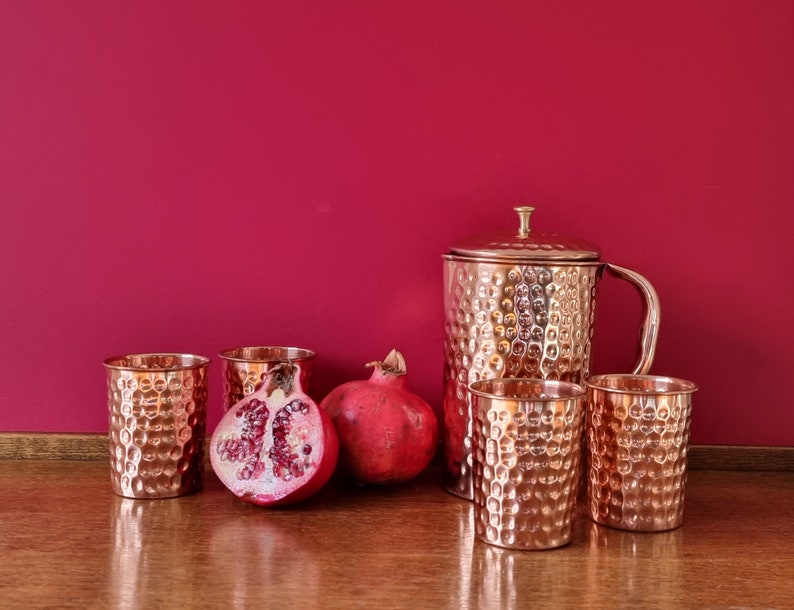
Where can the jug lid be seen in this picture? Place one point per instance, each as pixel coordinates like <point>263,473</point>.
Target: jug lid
<point>525,244</point>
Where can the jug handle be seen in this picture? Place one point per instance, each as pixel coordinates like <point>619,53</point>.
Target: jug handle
<point>649,331</point>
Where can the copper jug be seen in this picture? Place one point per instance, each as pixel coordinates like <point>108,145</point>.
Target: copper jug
<point>521,304</point>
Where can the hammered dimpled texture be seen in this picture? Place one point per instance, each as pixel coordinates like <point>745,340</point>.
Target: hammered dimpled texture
<point>506,321</point>
<point>526,468</point>
<point>157,426</point>
<point>638,442</point>
<point>245,368</point>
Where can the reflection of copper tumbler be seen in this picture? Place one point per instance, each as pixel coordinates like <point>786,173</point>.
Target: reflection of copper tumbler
<point>245,368</point>
<point>527,446</point>
<point>638,439</point>
<point>157,408</point>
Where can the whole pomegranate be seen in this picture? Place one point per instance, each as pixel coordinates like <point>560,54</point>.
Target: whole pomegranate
<point>275,446</point>
<point>387,434</point>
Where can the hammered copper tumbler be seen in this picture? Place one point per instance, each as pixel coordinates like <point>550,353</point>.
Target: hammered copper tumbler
<point>157,409</point>
<point>527,447</point>
<point>638,441</point>
<point>245,368</point>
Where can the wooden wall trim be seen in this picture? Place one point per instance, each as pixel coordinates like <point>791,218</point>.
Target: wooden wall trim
<point>69,446</point>
<point>53,446</point>
<point>741,457</point>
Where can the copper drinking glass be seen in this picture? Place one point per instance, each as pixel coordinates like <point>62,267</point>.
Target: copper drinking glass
<point>638,442</point>
<point>157,410</point>
<point>245,368</point>
<point>527,449</point>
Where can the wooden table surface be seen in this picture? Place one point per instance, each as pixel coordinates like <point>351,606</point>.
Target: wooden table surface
<point>66,541</point>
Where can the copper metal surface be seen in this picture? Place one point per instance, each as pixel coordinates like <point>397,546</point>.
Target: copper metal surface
<point>157,411</point>
<point>526,316</point>
<point>527,448</point>
<point>516,246</point>
<point>244,368</point>
<point>638,438</point>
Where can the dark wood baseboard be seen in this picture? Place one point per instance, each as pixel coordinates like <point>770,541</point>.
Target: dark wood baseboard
<point>70,446</point>
<point>741,457</point>
<point>52,446</point>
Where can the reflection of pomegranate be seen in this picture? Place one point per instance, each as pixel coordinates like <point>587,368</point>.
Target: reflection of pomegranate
<point>387,434</point>
<point>275,446</point>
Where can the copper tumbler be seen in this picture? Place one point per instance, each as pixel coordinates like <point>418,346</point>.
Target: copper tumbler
<point>245,368</point>
<point>157,409</point>
<point>527,445</point>
<point>638,441</point>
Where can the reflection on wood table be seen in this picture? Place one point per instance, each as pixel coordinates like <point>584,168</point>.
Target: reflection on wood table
<point>68,541</point>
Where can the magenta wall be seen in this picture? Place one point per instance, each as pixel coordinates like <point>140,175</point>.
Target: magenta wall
<point>193,176</point>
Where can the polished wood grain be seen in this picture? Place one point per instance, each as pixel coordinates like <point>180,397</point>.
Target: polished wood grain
<point>66,541</point>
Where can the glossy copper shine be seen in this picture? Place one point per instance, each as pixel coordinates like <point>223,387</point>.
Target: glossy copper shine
<point>521,305</point>
<point>527,449</point>
<point>157,412</point>
<point>245,368</point>
<point>638,442</point>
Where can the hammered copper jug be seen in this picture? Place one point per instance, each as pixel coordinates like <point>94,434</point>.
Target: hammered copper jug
<point>521,304</point>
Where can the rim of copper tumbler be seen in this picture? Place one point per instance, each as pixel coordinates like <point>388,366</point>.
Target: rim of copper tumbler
<point>565,390</point>
<point>266,353</point>
<point>628,383</point>
<point>183,362</point>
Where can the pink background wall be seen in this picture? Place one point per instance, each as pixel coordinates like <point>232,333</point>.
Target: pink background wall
<point>194,176</point>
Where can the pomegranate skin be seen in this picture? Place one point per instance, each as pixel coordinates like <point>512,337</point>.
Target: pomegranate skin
<point>387,434</point>
<point>275,447</point>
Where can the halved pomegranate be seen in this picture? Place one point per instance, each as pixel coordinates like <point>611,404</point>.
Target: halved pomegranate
<point>275,446</point>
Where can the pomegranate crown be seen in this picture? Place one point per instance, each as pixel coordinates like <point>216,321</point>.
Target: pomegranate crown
<point>393,364</point>
<point>281,377</point>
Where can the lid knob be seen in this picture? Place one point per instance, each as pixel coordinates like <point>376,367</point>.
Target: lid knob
<point>524,212</point>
